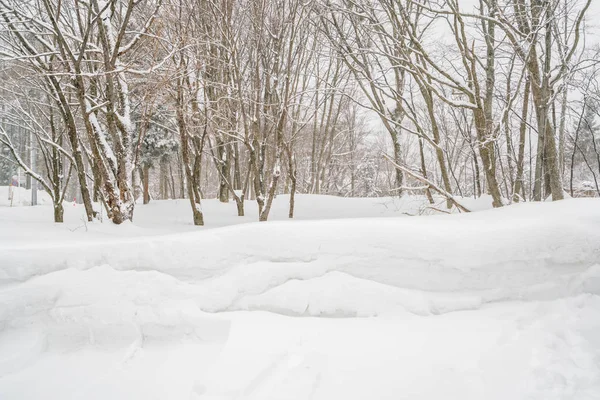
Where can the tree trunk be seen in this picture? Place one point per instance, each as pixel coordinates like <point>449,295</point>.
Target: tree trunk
<point>256,161</point>
<point>79,165</point>
<point>145,183</point>
<point>488,159</point>
<point>172,182</point>
<point>59,212</point>
<point>521,156</point>
<point>264,215</point>
<point>540,86</point>
<point>424,171</point>
<point>193,192</point>
<point>398,176</point>
<point>293,179</point>
<point>237,172</point>
<point>484,123</point>
<point>223,164</point>
<point>239,202</point>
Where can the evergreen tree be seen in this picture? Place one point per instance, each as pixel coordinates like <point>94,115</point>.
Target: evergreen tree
<point>158,146</point>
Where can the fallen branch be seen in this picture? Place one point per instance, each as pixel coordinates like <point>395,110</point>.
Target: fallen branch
<point>438,210</point>
<point>427,182</point>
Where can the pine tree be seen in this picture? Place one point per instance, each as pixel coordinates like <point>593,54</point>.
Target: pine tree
<point>158,146</point>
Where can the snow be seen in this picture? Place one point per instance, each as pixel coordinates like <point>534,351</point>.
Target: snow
<point>370,303</point>
<point>22,197</point>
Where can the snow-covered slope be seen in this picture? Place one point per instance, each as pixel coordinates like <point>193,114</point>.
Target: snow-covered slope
<point>496,304</point>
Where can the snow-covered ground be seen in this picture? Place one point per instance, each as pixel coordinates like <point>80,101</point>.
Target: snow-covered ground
<point>354,300</point>
<point>19,196</point>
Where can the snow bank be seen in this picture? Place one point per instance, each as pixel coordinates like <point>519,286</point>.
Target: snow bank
<point>526,251</point>
<point>496,304</point>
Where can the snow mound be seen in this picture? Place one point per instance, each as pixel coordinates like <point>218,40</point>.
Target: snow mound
<point>337,294</point>
<point>366,267</point>
<point>497,304</point>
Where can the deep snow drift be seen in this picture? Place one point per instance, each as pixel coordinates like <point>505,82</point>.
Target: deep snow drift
<point>495,304</point>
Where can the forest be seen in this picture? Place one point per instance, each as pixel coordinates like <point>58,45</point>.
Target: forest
<point>111,101</point>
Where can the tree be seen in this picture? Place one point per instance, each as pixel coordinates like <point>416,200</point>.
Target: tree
<point>35,117</point>
<point>157,147</point>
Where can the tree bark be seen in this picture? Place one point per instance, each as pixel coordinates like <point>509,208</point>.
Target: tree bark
<point>424,171</point>
<point>521,156</point>
<point>145,183</point>
<point>59,212</point>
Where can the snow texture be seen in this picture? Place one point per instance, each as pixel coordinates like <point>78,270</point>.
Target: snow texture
<point>495,304</point>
